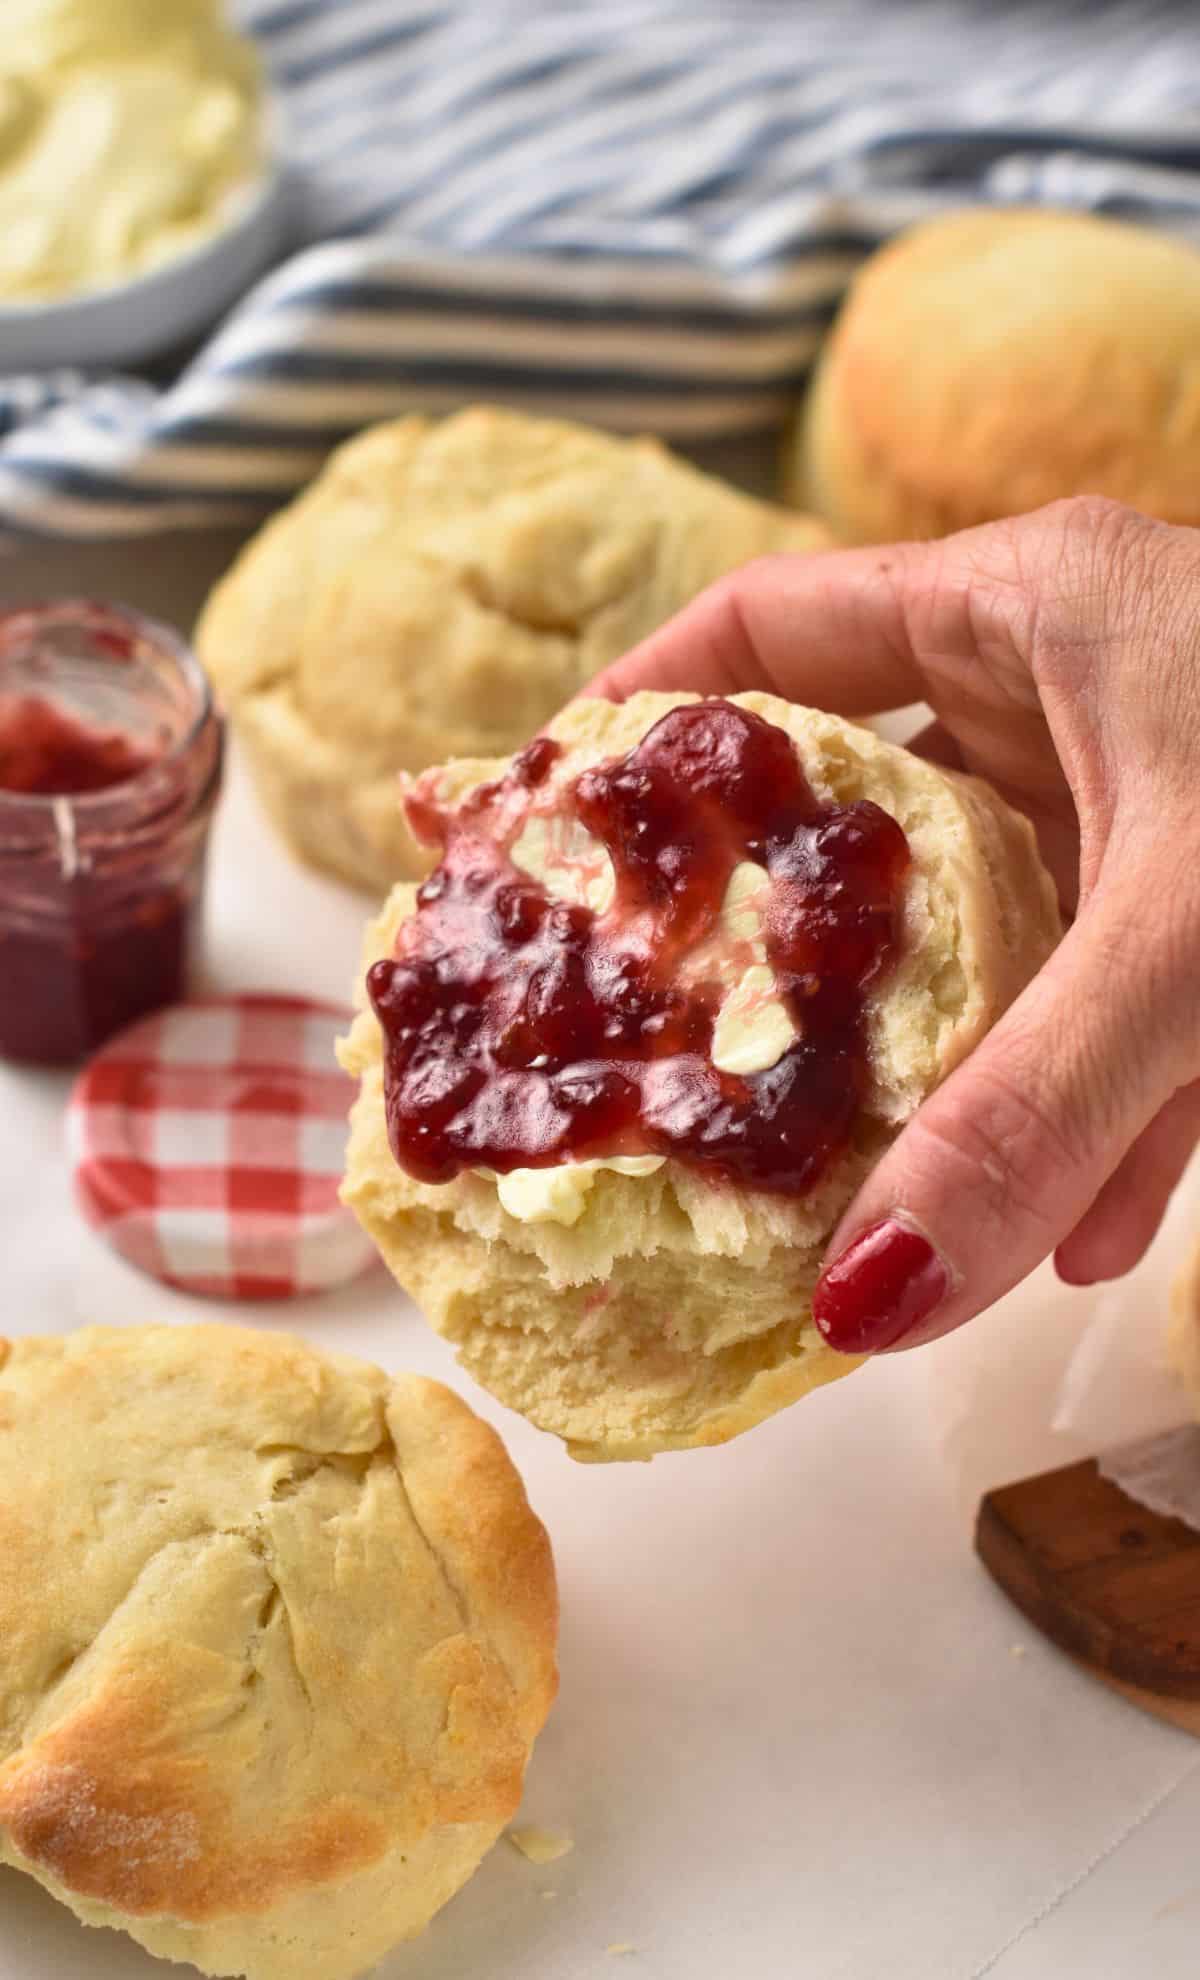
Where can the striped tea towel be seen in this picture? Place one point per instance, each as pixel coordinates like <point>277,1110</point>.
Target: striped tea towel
<point>639,212</point>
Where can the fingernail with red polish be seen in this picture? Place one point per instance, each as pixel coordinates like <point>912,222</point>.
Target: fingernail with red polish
<point>883,1285</point>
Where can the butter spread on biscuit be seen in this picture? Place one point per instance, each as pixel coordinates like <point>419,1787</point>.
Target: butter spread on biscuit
<point>125,125</point>
<point>570,864</point>
<point>558,1195</point>
<point>519,1032</point>
<point>753,1026</point>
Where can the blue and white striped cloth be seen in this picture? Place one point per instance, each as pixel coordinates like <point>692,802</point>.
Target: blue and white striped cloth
<point>638,212</point>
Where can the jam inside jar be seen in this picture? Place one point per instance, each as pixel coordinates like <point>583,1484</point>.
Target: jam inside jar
<point>110,765</point>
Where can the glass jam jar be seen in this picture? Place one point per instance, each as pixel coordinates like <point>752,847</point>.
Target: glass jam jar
<point>110,766</point>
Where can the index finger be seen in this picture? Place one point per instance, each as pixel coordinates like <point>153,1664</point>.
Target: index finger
<point>829,630</point>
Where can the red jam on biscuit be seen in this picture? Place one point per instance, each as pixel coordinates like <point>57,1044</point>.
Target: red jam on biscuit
<point>524,1031</point>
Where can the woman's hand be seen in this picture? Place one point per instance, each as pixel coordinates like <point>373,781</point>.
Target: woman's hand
<point>1060,653</point>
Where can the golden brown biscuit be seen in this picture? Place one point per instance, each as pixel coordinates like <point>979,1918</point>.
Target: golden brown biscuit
<point>278,1635</point>
<point>672,1311</point>
<point>989,361</point>
<point>440,590</point>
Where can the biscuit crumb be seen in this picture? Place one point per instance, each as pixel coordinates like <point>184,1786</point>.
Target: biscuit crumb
<point>540,1845</point>
<point>1017,1650</point>
<point>620,1949</point>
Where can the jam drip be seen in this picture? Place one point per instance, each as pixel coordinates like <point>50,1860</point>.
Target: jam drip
<point>46,752</point>
<point>521,1032</point>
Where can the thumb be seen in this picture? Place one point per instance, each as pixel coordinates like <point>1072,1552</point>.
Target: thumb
<point>1000,1164</point>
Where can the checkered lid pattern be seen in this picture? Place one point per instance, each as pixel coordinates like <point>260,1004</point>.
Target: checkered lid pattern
<point>207,1147</point>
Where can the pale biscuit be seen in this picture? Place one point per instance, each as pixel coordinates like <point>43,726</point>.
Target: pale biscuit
<point>278,1634</point>
<point>440,590</point>
<point>989,361</point>
<point>676,1311</point>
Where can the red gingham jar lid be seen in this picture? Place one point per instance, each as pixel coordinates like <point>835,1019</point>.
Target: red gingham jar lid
<point>207,1145</point>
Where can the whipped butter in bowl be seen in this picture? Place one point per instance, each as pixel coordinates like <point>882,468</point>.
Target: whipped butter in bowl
<point>138,195</point>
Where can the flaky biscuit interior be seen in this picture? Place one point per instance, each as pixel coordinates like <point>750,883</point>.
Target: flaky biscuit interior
<point>278,1633</point>
<point>677,1311</point>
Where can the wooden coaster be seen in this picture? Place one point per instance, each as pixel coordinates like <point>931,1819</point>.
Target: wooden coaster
<point>1113,1584</point>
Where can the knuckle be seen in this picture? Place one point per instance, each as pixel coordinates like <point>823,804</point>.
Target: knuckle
<point>1098,567</point>
<point>965,598</point>
<point>1001,1148</point>
<point>1111,553</point>
<point>1086,517</point>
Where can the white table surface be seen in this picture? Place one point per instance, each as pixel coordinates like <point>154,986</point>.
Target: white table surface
<point>800,1735</point>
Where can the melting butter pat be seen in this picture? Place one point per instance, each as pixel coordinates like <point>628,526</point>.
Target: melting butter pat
<point>571,865</point>
<point>741,919</point>
<point>558,1196</point>
<point>753,1027</point>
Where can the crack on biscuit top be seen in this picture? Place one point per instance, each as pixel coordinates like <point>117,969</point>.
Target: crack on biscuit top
<point>111,1814</point>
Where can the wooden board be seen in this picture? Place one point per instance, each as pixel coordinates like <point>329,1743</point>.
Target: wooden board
<point>1113,1584</point>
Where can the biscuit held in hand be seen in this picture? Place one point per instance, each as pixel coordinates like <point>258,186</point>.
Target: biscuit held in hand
<point>278,1634</point>
<point>441,589</point>
<point>1058,652</point>
<point>633,1313</point>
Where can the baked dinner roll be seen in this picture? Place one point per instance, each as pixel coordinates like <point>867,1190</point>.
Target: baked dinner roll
<point>278,1634</point>
<point>672,990</point>
<point>989,361</point>
<point>439,591</point>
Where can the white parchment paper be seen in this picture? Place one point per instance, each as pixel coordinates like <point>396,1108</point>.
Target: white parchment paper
<point>1055,1373</point>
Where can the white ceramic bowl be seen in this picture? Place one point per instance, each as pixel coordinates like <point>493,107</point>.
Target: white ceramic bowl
<point>127,322</point>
